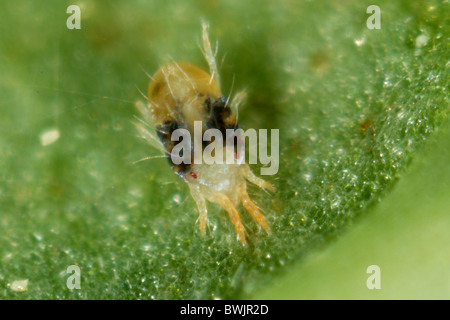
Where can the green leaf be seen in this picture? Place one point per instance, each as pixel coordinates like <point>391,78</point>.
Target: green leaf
<point>354,107</point>
<point>406,235</point>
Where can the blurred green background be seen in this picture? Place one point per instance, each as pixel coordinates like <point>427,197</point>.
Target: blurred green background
<point>364,148</point>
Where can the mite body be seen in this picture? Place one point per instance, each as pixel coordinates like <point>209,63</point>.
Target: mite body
<point>178,95</point>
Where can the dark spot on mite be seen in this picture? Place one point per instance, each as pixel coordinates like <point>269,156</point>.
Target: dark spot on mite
<point>219,113</point>
<point>219,116</point>
<point>164,133</point>
<point>180,169</point>
<point>235,139</point>
<point>208,104</point>
<point>157,88</point>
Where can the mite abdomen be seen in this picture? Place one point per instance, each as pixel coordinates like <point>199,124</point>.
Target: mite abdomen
<point>178,91</point>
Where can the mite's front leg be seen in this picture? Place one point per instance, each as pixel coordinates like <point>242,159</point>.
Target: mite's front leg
<point>235,218</point>
<point>253,209</point>
<point>250,176</point>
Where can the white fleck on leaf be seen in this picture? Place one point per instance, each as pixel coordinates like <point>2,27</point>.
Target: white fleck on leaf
<point>19,285</point>
<point>49,136</point>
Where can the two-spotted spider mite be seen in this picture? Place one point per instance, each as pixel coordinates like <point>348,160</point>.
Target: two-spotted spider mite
<point>178,95</point>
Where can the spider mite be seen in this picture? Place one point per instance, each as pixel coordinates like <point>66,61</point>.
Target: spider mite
<point>178,95</point>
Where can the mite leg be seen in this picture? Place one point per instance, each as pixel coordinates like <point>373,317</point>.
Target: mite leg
<point>251,207</point>
<point>226,203</point>
<point>201,205</point>
<point>250,176</point>
<point>209,55</point>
